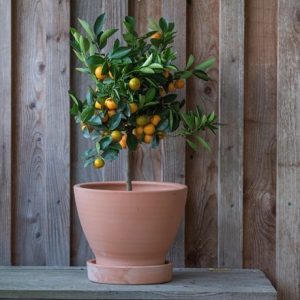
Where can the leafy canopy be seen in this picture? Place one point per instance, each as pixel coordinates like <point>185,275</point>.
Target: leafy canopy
<point>133,97</point>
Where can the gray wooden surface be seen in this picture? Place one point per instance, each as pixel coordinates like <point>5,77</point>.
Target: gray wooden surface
<point>72,283</point>
<point>41,133</point>
<point>5,132</point>
<point>231,110</point>
<point>288,151</point>
<point>201,239</point>
<point>260,136</point>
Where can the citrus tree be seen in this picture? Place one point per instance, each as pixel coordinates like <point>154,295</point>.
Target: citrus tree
<point>132,98</point>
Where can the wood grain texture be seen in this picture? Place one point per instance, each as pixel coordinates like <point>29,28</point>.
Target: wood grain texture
<point>230,190</point>
<point>288,151</point>
<point>71,283</point>
<point>29,93</point>
<point>89,10</point>
<point>5,132</point>
<point>202,166</point>
<point>168,162</point>
<point>41,139</point>
<point>260,136</point>
<point>57,155</point>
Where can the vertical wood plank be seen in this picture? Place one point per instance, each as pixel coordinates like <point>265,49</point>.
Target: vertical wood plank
<point>41,139</point>
<point>57,147</point>
<point>5,132</point>
<point>288,151</point>
<point>202,166</point>
<point>168,162</point>
<point>260,136</point>
<point>89,10</point>
<point>29,93</point>
<point>230,212</point>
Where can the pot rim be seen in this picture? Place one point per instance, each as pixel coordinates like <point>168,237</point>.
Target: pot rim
<point>172,186</point>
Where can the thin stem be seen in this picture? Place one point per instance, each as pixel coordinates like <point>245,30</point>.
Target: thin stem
<point>129,170</point>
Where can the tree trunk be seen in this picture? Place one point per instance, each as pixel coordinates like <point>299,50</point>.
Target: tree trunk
<point>129,170</point>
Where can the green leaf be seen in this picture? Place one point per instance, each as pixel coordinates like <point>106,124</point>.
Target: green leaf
<point>201,74</point>
<point>171,119</point>
<point>163,24</point>
<point>87,28</point>
<point>155,66</point>
<point>148,104</point>
<point>99,24</point>
<point>90,96</point>
<point>205,65</point>
<point>190,61</point>
<point>120,52</point>
<point>105,142</point>
<point>95,120</point>
<point>105,35</point>
<point>95,60</point>
<point>163,125</point>
<point>132,142</point>
<point>73,97</point>
<point>115,121</point>
<point>88,162</point>
<point>192,145</point>
<point>186,74</point>
<point>129,23</point>
<point>87,113</point>
<point>150,94</point>
<point>84,44</point>
<point>110,154</point>
<point>83,70</point>
<point>147,70</point>
<point>148,61</point>
<point>203,142</point>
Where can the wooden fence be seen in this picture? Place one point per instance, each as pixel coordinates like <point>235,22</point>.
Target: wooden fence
<point>243,206</point>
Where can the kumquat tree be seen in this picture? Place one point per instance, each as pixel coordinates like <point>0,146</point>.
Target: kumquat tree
<point>133,97</point>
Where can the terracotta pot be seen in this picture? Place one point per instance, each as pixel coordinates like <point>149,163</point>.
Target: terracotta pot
<point>130,232</point>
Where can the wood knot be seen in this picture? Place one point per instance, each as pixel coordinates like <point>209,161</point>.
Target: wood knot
<point>207,90</point>
<point>32,105</point>
<point>42,67</point>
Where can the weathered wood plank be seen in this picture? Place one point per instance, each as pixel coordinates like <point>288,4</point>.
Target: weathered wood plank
<point>29,140</point>
<point>41,139</point>
<point>168,162</point>
<point>90,10</point>
<point>230,203</point>
<point>202,166</point>
<point>288,151</point>
<point>72,283</point>
<point>5,132</point>
<point>260,136</point>
<point>57,147</point>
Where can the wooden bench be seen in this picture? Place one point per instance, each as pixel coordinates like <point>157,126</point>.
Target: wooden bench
<point>72,283</point>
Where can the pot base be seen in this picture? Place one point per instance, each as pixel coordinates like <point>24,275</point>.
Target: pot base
<point>129,274</point>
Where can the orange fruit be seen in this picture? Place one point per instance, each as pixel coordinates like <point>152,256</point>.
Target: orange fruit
<point>171,87</point>
<point>133,107</point>
<point>98,73</point>
<point>149,129</point>
<point>166,73</point>
<point>105,118</point>
<point>110,103</point>
<point>116,135</point>
<point>111,113</point>
<point>162,92</point>
<point>179,84</point>
<point>156,35</point>
<point>98,105</point>
<point>110,75</point>
<point>148,138</point>
<point>155,120</point>
<point>99,163</point>
<point>134,84</point>
<point>123,141</point>
<point>141,120</point>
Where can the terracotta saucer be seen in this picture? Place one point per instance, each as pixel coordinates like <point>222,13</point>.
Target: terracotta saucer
<point>129,274</point>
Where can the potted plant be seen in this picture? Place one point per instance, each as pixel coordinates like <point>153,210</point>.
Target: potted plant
<point>132,100</point>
